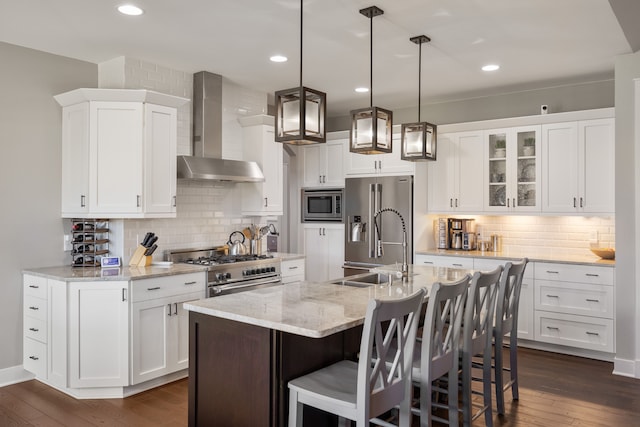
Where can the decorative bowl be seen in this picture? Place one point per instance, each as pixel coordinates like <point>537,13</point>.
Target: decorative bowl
<point>604,253</point>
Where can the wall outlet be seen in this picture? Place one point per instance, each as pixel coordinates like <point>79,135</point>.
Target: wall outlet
<point>66,245</point>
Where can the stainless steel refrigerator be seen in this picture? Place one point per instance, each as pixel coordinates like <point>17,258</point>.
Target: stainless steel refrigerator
<point>363,198</point>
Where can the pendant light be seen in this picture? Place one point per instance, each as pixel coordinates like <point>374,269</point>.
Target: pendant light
<point>419,139</point>
<point>371,127</point>
<point>300,111</point>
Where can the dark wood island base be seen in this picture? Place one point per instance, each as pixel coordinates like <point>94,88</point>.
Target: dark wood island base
<point>238,373</point>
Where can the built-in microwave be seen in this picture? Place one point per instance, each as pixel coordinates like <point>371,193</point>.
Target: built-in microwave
<point>322,205</point>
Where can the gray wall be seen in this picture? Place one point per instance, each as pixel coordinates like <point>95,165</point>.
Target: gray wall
<point>560,98</point>
<point>627,220</point>
<point>30,133</point>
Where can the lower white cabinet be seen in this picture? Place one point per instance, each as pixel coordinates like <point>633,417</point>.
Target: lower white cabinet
<point>324,251</point>
<point>574,306</point>
<point>93,338</point>
<point>292,270</point>
<point>98,334</point>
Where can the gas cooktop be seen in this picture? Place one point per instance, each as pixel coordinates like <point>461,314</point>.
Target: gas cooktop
<point>224,259</point>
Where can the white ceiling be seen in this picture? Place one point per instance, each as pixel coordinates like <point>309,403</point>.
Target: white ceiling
<point>538,43</point>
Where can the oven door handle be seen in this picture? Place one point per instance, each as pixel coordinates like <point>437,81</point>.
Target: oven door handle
<point>218,289</point>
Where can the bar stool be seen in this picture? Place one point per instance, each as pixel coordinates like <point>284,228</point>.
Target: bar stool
<point>363,390</point>
<point>506,323</point>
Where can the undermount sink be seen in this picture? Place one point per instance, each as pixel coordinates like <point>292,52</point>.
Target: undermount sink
<point>364,280</point>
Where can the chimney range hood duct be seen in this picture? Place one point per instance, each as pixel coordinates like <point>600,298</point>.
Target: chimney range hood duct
<point>207,162</point>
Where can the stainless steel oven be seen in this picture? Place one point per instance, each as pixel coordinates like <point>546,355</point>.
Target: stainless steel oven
<point>322,205</point>
<point>228,274</point>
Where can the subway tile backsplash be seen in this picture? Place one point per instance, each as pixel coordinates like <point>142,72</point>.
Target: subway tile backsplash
<point>538,235</point>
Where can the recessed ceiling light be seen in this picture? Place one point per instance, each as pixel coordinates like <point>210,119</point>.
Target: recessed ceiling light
<point>362,89</point>
<point>491,67</point>
<point>129,9</point>
<point>278,58</point>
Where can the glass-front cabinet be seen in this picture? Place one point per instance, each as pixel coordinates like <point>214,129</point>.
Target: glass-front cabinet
<point>513,173</point>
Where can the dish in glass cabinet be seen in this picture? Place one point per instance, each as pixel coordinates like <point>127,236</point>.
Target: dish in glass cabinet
<point>500,197</point>
<point>528,173</point>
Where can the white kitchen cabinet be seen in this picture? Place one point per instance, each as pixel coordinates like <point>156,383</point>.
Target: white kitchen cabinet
<point>98,334</point>
<point>324,251</point>
<point>578,166</point>
<point>454,181</point>
<point>323,164</point>
<point>379,164</point>
<point>262,198</point>
<point>574,306</point>
<point>512,172</point>
<point>35,332</point>
<point>159,326</point>
<point>118,153</point>
<point>292,270</point>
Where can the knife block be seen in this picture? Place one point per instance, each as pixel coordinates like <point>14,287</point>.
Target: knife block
<point>139,259</point>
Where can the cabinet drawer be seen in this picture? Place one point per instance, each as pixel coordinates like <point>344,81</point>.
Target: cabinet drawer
<point>590,333</point>
<point>35,329</point>
<point>574,298</point>
<point>35,286</point>
<point>444,261</point>
<point>292,268</point>
<point>35,357</point>
<point>35,307</point>
<point>574,273</point>
<point>292,279</point>
<point>166,286</point>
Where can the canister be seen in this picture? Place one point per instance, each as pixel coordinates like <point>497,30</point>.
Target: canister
<point>496,242</point>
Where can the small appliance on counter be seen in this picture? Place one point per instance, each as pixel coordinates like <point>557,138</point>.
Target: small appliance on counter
<point>461,234</point>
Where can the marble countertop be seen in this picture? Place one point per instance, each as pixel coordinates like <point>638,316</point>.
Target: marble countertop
<point>316,309</point>
<point>284,256</point>
<point>515,255</point>
<point>77,274</point>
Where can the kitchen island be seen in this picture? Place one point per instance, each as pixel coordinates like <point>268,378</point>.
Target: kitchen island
<point>245,347</point>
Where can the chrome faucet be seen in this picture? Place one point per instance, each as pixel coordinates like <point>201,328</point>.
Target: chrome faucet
<point>379,243</point>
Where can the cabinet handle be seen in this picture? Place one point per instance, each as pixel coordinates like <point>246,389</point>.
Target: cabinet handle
<point>324,231</point>
<point>375,165</point>
<point>154,288</point>
<point>169,307</point>
<point>34,358</point>
<point>553,328</point>
<point>427,262</point>
<point>508,201</point>
<point>320,179</point>
<point>34,329</point>
<point>456,202</point>
<point>33,308</point>
<point>34,286</point>
<point>82,201</point>
<point>592,300</point>
<point>138,201</point>
<point>450,203</point>
<point>190,283</point>
<point>456,265</point>
<point>514,202</point>
<point>293,268</point>
<point>124,294</point>
<point>266,202</point>
<point>552,296</point>
<point>175,306</point>
<point>174,201</point>
<point>592,333</point>
<point>574,202</point>
<point>581,204</point>
<point>553,272</point>
<point>592,275</point>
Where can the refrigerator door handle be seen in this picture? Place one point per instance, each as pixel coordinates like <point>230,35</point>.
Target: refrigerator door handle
<point>372,210</point>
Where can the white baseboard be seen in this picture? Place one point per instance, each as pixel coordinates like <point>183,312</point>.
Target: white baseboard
<point>626,368</point>
<point>13,375</point>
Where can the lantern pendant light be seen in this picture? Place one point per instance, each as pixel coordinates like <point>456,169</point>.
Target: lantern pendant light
<point>419,139</point>
<point>371,127</point>
<point>300,111</point>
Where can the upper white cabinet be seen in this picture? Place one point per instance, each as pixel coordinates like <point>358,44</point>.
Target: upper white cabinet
<point>578,161</point>
<point>512,174</point>
<point>454,180</point>
<point>323,164</point>
<point>118,153</point>
<point>262,198</point>
<point>379,164</point>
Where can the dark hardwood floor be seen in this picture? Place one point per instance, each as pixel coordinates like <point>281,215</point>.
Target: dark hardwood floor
<point>555,390</point>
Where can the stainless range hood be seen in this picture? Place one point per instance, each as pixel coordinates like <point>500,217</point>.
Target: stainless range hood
<point>207,162</point>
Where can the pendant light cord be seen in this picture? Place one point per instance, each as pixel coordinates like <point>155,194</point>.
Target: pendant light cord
<point>301,3</point>
<point>419,77</point>
<point>371,61</point>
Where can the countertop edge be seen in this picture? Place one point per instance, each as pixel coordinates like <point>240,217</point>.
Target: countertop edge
<point>586,260</point>
<point>77,274</point>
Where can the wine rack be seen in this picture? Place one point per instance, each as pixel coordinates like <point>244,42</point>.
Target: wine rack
<point>89,241</point>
